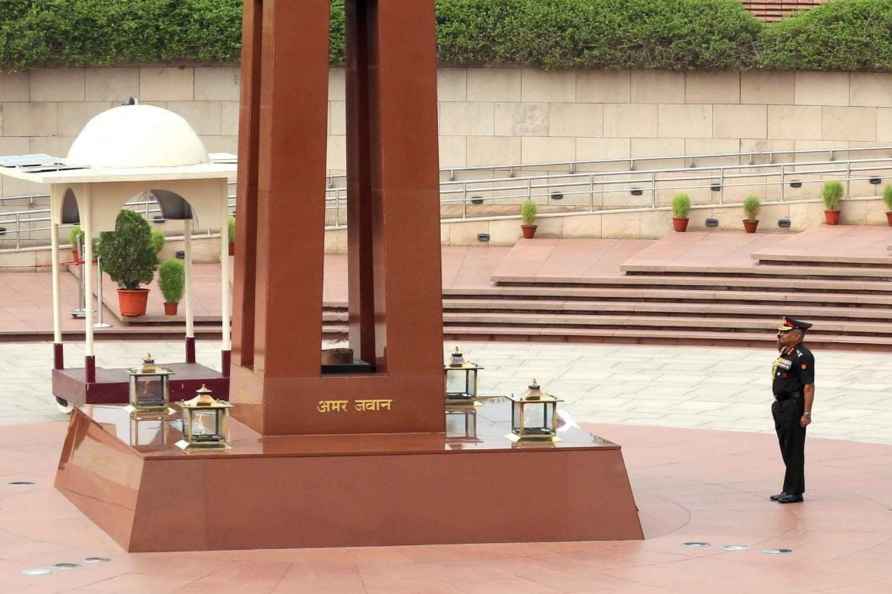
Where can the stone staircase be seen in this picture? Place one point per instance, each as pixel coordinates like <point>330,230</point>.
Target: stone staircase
<point>848,300</point>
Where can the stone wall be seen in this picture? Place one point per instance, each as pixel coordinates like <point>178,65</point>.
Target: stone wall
<point>496,116</point>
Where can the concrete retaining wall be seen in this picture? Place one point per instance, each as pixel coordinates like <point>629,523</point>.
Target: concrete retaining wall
<point>495,116</point>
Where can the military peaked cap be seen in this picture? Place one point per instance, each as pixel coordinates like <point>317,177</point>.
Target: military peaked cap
<point>788,324</point>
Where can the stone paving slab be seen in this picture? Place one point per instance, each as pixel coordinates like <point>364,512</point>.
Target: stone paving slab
<point>718,388</point>
<point>690,486</point>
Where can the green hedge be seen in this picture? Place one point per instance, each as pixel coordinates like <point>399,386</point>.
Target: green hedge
<point>670,34</point>
<point>550,34</point>
<point>842,35</point>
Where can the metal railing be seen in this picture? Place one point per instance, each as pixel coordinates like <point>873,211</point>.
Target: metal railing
<point>633,163</point>
<point>569,192</point>
<point>32,226</point>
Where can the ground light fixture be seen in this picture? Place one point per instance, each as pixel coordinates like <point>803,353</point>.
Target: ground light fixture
<point>712,223</point>
<point>205,422</point>
<point>784,223</point>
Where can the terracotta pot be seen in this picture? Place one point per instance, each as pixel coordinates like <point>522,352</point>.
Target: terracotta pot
<point>831,217</point>
<point>170,309</point>
<point>132,302</point>
<point>750,225</point>
<point>680,225</point>
<point>231,248</point>
<point>529,231</point>
<point>889,217</point>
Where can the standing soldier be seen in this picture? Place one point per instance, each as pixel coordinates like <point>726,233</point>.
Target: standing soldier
<point>793,377</point>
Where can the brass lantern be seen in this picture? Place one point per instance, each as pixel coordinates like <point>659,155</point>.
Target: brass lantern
<point>461,379</point>
<point>534,415</point>
<point>149,386</point>
<point>205,422</point>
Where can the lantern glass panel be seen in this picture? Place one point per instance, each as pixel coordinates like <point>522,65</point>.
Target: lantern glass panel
<point>535,416</point>
<point>148,390</point>
<point>205,425</point>
<point>456,382</point>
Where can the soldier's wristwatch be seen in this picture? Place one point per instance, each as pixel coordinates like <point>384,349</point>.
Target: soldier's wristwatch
<point>806,414</point>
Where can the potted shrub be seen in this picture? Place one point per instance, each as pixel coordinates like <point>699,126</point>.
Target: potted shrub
<point>887,198</point>
<point>74,238</point>
<point>231,231</point>
<point>528,212</point>
<point>831,194</point>
<point>681,206</point>
<point>172,280</point>
<point>158,240</point>
<point>129,258</point>
<point>751,206</point>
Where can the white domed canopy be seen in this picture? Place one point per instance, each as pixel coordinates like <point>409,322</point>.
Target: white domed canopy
<point>134,136</point>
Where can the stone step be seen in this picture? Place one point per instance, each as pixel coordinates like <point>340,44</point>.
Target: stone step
<point>638,293</point>
<point>775,258</point>
<point>652,335</point>
<point>729,324</point>
<point>670,307</point>
<point>690,280</point>
<point>789,272</point>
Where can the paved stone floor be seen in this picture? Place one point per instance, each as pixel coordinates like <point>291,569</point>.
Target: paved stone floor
<point>693,481</point>
<point>716,388</point>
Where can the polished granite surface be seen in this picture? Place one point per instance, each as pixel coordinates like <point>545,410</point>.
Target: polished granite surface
<point>154,435</point>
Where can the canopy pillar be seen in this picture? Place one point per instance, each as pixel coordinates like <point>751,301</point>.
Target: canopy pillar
<point>85,205</point>
<point>55,207</point>
<point>187,296</point>
<point>225,289</point>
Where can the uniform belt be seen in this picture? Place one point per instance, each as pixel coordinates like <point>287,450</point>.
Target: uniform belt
<point>788,396</point>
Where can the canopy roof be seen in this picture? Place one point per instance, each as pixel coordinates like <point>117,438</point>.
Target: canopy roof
<point>126,143</point>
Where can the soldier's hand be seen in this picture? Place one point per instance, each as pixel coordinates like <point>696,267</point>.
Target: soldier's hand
<point>805,421</point>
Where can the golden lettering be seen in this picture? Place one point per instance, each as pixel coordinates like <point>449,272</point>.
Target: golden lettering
<point>374,405</point>
<point>327,406</point>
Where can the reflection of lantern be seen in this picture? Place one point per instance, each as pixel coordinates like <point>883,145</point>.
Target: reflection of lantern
<point>149,429</point>
<point>205,422</point>
<point>149,386</point>
<point>534,415</point>
<point>461,378</point>
<point>461,423</point>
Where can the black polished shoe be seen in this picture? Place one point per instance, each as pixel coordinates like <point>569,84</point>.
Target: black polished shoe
<point>778,496</point>
<point>789,498</point>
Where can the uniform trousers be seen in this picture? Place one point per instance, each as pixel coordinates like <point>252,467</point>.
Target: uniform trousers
<point>791,437</point>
